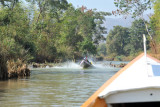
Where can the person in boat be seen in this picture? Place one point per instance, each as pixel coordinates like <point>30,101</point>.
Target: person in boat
<point>88,62</point>
<point>84,60</point>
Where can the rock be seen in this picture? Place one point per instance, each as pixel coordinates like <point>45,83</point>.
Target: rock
<point>121,65</point>
<point>36,65</point>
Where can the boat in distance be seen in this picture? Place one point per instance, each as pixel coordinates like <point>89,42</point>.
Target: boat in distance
<point>86,64</point>
<point>135,85</point>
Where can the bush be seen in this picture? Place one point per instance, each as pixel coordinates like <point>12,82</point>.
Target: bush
<point>17,69</point>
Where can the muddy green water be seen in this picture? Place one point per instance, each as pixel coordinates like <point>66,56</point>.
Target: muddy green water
<point>64,86</point>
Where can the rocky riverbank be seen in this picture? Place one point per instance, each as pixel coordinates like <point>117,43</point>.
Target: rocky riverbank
<point>42,65</point>
<point>48,65</point>
<point>121,65</point>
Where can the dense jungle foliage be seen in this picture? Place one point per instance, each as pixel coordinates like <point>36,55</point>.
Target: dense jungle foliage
<point>48,30</point>
<point>53,31</point>
<point>125,43</point>
<point>122,41</point>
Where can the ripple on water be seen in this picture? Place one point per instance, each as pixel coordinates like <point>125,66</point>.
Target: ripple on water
<point>57,87</point>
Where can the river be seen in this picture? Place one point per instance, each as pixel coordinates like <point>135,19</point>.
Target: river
<point>62,86</point>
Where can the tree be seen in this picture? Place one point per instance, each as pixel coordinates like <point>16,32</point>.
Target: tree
<point>155,21</point>
<point>136,36</point>
<point>54,7</point>
<point>155,25</point>
<point>91,28</point>
<point>102,49</point>
<point>9,3</point>
<point>15,26</point>
<point>126,41</point>
<point>82,30</point>
<point>136,8</point>
<point>117,40</point>
<point>51,29</point>
<point>46,26</point>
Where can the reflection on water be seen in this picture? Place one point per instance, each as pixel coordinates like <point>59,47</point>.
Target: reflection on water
<point>63,86</point>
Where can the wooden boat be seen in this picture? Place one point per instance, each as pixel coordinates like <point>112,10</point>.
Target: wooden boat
<point>135,85</point>
<point>85,64</point>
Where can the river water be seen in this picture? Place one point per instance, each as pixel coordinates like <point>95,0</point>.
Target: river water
<point>63,86</point>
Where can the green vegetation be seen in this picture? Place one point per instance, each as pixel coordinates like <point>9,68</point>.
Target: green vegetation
<point>155,24</point>
<point>53,31</point>
<point>117,41</point>
<point>136,8</point>
<point>125,43</point>
<point>46,30</point>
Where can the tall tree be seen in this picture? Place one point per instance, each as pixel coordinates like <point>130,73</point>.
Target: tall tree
<point>136,8</point>
<point>116,41</point>
<point>9,3</point>
<point>14,30</point>
<point>155,26</point>
<point>54,7</point>
<point>136,36</point>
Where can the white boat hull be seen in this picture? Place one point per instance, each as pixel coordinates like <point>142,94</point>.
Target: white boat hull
<point>137,84</point>
<point>148,94</point>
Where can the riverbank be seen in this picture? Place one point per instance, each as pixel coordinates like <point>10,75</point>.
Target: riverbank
<point>119,58</point>
<point>43,65</point>
<point>17,69</point>
<point>114,57</point>
<point>127,58</point>
<point>72,64</point>
<point>13,69</point>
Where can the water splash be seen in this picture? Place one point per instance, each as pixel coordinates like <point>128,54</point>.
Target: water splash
<point>72,65</point>
<point>69,65</point>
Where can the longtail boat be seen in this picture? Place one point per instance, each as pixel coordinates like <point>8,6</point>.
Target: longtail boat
<point>135,85</point>
<point>85,64</point>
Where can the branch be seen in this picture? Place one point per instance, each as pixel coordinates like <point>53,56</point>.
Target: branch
<point>41,9</point>
<point>147,28</point>
<point>13,5</point>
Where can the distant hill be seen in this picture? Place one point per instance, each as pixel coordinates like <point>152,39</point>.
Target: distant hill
<point>110,22</point>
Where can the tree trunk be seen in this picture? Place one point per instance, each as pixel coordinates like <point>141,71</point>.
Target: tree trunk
<point>3,69</point>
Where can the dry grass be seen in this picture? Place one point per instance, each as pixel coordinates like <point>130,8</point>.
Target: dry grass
<point>17,69</point>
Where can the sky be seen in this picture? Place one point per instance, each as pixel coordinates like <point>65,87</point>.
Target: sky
<point>100,5</point>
